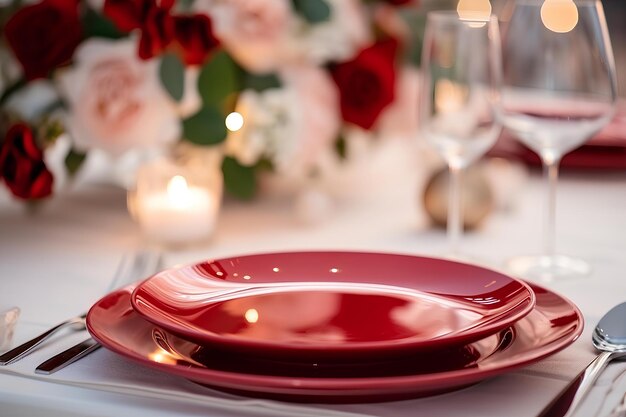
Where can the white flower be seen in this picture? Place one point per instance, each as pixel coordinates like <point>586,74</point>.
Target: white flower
<point>33,100</point>
<point>116,100</point>
<point>269,122</point>
<point>337,39</point>
<point>292,126</point>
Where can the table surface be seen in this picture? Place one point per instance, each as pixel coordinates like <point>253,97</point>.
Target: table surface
<point>56,262</point>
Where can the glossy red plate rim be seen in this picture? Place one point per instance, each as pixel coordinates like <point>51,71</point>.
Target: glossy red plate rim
<point>351,389</point>
<point>362,349</point>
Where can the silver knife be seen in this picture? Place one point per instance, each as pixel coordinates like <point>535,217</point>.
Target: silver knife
<point>144,264</point>
<point>125,271</point>
<point>68,356</point>
<point>26,348</point>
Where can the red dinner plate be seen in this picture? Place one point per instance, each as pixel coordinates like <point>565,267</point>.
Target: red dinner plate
<point>552,325</point>
<point>332,304</point>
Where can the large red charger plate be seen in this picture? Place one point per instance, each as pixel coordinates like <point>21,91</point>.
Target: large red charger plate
<point>332,304</point>
<point>552,325</point>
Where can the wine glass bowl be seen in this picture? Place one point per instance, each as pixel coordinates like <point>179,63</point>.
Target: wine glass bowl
<point>461,76</point>
<point>558,89</point>
<point>555,127</point>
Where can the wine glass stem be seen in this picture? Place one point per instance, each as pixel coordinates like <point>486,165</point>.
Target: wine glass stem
<point>455,209</point>
<point>551,172</point>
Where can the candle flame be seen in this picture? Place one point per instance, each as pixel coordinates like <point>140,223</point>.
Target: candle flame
<point>177,189</point>
<point>560,16</point>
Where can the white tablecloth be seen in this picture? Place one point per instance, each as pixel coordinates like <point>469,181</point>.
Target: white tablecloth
<point>56,263</point>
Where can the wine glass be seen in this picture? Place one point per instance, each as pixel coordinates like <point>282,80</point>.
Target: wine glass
<point>461,74</point>
<point>558,89</point>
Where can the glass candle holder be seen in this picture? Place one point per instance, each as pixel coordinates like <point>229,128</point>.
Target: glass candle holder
<point>176,204</point>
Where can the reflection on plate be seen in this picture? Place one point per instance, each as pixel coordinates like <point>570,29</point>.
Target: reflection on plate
<point>551,326</point>
<point>332,304</point>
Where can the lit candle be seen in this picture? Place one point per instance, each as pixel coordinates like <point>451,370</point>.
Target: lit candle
<point>176,213</point>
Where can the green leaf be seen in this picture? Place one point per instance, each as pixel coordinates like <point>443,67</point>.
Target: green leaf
<point>239,180</point>
<point>218,79</point>
<point>341,148</point>
<point>184,6</point>
<point>313,11</point>
<point>172,74</point>
<point>49,130</point>
<point>261,82</point>
<point>265,164</point>
<point>12,89</point>
<point>73,161</point>
<point>96,25</point>
<point>205,127</point>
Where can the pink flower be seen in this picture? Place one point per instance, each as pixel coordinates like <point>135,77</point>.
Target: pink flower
<point>116,100</point>
<point>255,32</point>
<point>264,36</point>
<point>320,120</point>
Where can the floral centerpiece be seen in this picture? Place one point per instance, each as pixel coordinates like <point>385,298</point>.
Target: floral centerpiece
<point>268,84</point>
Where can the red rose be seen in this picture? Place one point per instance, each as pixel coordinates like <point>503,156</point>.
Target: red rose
<point>22,165</point>
<point>127,14</point>
<point>195,38</point>
<point>132,14</point>
<point>366,83</point>
<point>157,32</point>
<point>152,17</point>
<point>44,35</point>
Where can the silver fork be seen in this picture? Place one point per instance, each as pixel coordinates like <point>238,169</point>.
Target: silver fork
<point>148,265</point>
<point>126,271</point>
<point>24,349</point>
